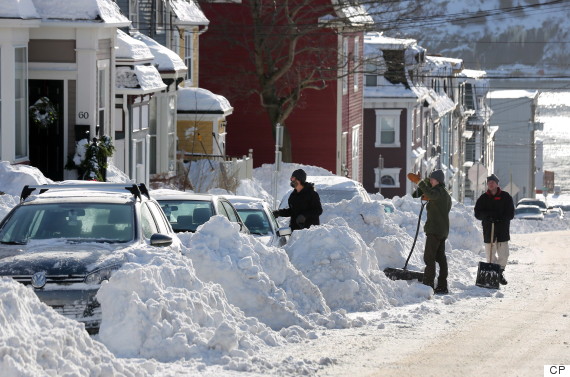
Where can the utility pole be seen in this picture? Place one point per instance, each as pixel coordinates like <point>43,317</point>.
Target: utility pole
<point>380,167</point>
<point>278,145</point>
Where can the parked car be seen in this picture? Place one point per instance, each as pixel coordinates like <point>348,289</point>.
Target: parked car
<point>65,239</point>
<point>187,211</point>
<point>258,217</point>
<point>563,207</point>
<point>528,212</point>
<point>333,189</point>
<point>554,212</point>
<point>388,206</point>
<point>534,202</point>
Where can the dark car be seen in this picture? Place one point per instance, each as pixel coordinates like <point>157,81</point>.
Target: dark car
<point>66,239</point>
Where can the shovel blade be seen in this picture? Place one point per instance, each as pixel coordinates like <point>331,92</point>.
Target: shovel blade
<point>488,275</point>
<point>402,274</point>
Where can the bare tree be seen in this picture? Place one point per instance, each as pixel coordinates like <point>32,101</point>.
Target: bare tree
<point>291,47</point>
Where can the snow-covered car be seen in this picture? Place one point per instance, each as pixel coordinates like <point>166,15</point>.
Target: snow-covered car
<point>528,212</point>
<point>533,202</point>
<point>388,206</point>
<point>333,189</point>
<point>258,217</point>
<point>64,240</point>
<point>554,212</point>
<point>187,211</point>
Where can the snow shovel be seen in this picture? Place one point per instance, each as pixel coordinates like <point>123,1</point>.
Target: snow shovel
<point>488,274</point>
<point>404,273</point>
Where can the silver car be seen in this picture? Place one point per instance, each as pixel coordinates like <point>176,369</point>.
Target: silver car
<point>65,239</point>
<point>258,217</point>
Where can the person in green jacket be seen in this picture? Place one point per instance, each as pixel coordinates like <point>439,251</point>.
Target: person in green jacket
<point>436,227</point>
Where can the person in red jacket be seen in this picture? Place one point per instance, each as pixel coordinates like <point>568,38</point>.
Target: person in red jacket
<point>304,203</point>
<point>496,206</point>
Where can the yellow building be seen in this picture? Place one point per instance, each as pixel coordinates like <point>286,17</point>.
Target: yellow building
<point>201,125</point>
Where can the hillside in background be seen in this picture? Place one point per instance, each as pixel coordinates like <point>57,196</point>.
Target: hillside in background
<point>506,38</point>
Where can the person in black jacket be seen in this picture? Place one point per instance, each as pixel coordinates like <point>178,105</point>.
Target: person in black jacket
<point>304,203</point>
<point>496,207</point>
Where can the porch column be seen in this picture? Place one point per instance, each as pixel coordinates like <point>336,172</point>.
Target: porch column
<point>86,48</point>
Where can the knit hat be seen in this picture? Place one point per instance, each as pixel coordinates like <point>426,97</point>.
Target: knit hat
<point>300,175</point>
<point>438,175</point>
<point>493,177</point>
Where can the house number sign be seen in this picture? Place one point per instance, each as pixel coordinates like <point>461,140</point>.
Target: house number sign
<point>83,115</point>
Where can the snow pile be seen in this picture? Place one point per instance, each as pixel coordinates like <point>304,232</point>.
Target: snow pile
<point>37,341</point>
<point>15,177</point>
<point>258,279</point>
<point>156,307</point>
<point>546,225</point>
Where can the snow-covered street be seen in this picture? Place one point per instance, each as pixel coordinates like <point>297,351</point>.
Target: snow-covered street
<point>230,305</point>
<point>514,332</point>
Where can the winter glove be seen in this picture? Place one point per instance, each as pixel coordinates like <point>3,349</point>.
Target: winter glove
<point>425,197</point>
<point>415,178</point>
<point>300,220</point>
<point>276,213</point>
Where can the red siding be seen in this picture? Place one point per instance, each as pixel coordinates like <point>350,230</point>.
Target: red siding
<point>312,126</point>
<point>393,157</point>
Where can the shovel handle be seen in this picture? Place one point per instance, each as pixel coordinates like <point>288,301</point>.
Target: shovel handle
<point>416,236</point>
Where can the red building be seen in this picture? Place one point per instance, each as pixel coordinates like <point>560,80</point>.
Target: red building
<point>326,126</point>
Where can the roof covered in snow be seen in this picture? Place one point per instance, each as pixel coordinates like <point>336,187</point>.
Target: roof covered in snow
<point>443,66</point>
<point>508,94</point>
<point>379,40</point>
<point>131,49</point>
<point>202,101</point>
<point>188,12</point>
<point>19,9</point>
<point>139,79</point>
<point>100,11</point>
<point>166,60</point>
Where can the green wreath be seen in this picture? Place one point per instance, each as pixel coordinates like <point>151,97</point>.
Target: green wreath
<point>43,113</point>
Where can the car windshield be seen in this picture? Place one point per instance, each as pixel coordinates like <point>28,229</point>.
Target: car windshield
<point>187,215</point>
<point>255,220</point>
<point>87,222</point>
<point>335,196</point>
<point>534,211</point>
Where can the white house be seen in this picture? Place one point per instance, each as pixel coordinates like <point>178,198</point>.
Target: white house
<point>514,113</point>
<point>57,57</point>
<point>137,81</point>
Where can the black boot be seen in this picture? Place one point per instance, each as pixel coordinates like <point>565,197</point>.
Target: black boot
<point>502,279</point>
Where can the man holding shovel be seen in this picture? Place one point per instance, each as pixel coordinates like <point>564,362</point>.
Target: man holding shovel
<point>495,209</point>
<point>436,226</point>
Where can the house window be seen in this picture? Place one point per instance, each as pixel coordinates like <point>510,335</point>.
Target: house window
<point>134,13</point>
<point>172,133</point>
<point>188,53</point>
<point>356,64</point>
<point>344,70</point>
<point>136,118</point>
<point>469,103</point>
<point>356,153</point>
<point>387,128</point>
<point>21,101</point>
<point>102,95</point>
<point>370,74</point>
<point>343,154</point>
<point>387,177</point>
<point>160,16</point>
